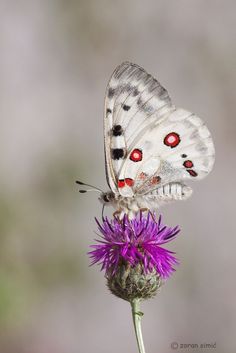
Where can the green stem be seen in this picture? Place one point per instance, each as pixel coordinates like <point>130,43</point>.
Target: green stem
<point>137,316</point>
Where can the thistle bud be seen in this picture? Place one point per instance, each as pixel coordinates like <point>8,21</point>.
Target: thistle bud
<point>131,283</point>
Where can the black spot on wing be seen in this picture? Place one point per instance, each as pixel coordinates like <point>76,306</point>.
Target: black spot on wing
<point>140,102</point>
<point>162,92</point>
<point>126,107</point>
<point>111,92</point>
<point>144,106</point>
<point>117,153</point>
<point>183,155</point>
<point>135,92</point>
<point>109,110</point>
<point>117,130</point>
<point>153,84</point>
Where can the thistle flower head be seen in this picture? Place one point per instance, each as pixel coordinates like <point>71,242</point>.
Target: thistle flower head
<point>136,241</point>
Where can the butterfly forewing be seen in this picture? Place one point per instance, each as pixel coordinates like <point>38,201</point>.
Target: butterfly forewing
<point>134,102</point>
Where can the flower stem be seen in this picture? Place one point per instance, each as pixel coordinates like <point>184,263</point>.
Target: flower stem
<point>137,316</point>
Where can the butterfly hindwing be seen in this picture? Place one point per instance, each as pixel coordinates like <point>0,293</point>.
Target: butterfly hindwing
<point>175,149</point>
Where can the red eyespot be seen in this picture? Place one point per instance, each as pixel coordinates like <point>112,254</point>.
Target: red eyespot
<point>136,155</point>
<point>188,164</point>
<point>121,183</point>
<point>129,181</point>
<point>172,139</point>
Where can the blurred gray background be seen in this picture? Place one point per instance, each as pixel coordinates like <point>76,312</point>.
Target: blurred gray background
<point>55,60</point>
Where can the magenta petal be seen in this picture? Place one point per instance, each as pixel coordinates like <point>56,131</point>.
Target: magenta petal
<point>136,241</point>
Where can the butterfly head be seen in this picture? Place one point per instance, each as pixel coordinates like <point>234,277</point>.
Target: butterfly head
<point>107,197</point>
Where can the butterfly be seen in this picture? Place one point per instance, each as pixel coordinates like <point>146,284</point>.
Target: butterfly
<point>151,147</point>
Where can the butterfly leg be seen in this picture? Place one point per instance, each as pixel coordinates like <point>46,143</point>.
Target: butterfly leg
<point>145,209</point>
<point>117,213</point>
<point>152,215</point>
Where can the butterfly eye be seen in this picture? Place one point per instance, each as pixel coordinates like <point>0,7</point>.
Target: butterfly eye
<point>106,198</point>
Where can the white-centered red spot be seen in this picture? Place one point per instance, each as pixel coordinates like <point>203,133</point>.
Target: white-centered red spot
<point>172,139</point>
<point>188,164</point>
<point>136,155</point>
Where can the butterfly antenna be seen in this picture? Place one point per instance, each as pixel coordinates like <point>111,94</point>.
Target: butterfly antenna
<point>94,188</point>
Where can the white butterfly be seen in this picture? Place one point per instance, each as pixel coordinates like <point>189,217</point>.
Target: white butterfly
<point>151,147</point>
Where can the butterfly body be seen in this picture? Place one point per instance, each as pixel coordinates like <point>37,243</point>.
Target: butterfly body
<point>151,147</point>
<point>149,201</point>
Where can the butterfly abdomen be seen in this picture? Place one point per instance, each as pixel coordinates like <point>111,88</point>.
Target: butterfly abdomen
<point>152,200</point>
<point>173,191</point>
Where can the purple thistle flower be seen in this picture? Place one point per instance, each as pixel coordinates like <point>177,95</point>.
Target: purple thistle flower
<point>136,241</point>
